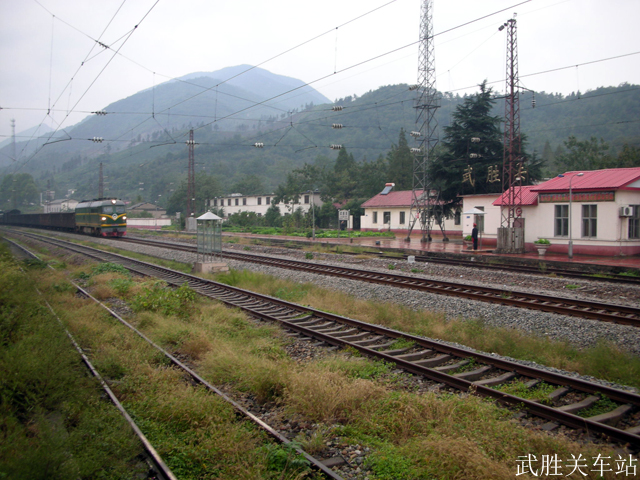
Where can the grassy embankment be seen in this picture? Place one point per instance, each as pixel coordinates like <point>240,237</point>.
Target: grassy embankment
<point>412,436</point>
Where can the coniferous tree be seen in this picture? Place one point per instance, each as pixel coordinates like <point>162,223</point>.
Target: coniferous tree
<point>400,160</point>
<point>473,151</point>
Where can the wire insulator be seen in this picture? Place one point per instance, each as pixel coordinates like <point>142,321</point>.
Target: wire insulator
<point>190,142</point>
<point>336,147</point>
<point>415,134</point>
<point>97,139</point>
<point>258,145</point>
<point>336,125</point>
<point>337,108</point>
<point>417,151</point>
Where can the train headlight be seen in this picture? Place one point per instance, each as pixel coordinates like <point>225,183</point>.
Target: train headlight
<point>104,219</point>
<point>124,217</point>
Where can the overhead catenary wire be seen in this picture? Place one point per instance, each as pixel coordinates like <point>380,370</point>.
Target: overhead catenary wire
<point>216,119</point>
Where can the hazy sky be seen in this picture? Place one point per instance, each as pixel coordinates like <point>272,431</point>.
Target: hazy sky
<point>52,69</point>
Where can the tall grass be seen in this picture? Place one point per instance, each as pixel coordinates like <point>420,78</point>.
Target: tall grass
<point>604,360</point>
<point>411,436</point>
<point>53,423</point>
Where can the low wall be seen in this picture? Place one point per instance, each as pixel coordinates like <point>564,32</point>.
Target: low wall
<point>148,223</point>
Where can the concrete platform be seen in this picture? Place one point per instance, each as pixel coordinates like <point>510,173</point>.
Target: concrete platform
<point>456,247</point>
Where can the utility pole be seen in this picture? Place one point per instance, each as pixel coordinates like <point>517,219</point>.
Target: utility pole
<point>191,179</point>
<point>511,231</point>
<point>426,105</point>
<point>13,139</point>
<point>100,183</point>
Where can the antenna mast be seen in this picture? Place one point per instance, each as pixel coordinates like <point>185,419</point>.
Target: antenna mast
<point>426,106</point>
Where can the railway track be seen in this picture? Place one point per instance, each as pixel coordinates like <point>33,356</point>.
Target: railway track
<point>157,467</point>
<point>621,314</point>
<point>458,368</point>
<point>539,268</point>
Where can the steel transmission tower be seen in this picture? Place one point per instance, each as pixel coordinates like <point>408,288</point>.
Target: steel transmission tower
<point>511,232</point>
<point>191,179</point>
<point>426,105</point>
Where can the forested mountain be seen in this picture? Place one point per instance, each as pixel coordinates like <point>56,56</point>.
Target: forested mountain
<point>145,157</point>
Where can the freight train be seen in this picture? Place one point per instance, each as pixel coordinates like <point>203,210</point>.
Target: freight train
<point>105,217</point>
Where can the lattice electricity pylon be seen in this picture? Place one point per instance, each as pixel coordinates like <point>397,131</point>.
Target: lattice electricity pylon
<point>191,178</point>
<point>513,162</point>
<point>422,204</point>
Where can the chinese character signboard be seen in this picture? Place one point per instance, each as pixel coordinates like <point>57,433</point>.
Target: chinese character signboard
<point>577,197</point>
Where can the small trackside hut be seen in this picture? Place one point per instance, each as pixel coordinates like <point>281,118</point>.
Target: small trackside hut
<point>103,217</point>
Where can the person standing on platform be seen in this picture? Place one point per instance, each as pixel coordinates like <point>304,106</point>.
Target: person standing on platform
<point>474,236</point>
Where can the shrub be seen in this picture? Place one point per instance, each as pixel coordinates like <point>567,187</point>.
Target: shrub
<point>542,241</point>
<point>159,298</point>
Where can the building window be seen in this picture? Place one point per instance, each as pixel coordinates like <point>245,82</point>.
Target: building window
<point>237,203</point>
<point>215,202</point>
<point>244,201</point>
<point>561,221</point>
<point>457,219</point>
<point>589,221</point>
<point>306,199</point>
<point>401,221</point>
<point>259,200</point>
<point>228,202</point>
<point>375,217</point>
<point>267,200</point>
<point>634,222</point>
<point>386,217</point>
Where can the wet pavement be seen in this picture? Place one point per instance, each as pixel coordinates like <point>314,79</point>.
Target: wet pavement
<point>456,247</point>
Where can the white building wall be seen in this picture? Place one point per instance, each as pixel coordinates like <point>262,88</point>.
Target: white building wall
<point>367,220</point>
<point>259,204</point>
<point>57,206</point>
<point>612,230</point>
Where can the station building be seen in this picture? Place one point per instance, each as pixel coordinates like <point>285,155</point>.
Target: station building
<point>597,210</point>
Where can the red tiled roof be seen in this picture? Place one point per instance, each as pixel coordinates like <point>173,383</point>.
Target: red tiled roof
<point>528,196</point>
<point>400,198</point>
<point>610,179</point>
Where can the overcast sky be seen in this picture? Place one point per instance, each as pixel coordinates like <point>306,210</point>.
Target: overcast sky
<point>50,60</point>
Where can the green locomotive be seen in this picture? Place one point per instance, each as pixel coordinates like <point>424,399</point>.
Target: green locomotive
<point>104,217</point>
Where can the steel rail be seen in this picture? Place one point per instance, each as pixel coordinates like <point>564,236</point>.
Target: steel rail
<point>171,277</point>
<point>155,460</point>
<point>258,306</point>
<point>613,313</point>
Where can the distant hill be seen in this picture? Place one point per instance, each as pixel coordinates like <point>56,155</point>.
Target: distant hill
<point>177,105</point>
<point>144,152</point>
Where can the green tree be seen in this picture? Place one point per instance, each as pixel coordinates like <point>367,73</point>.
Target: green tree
<point>584,155</point>
<point>472,159</point>
<point>249,185</point>
<point>400,164</point>
<point>18,189</point>
<point>272,217</point>
<point>207,186</point>
<point>372,177</point>
<point>342,183</point>
<point>628,157</point>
